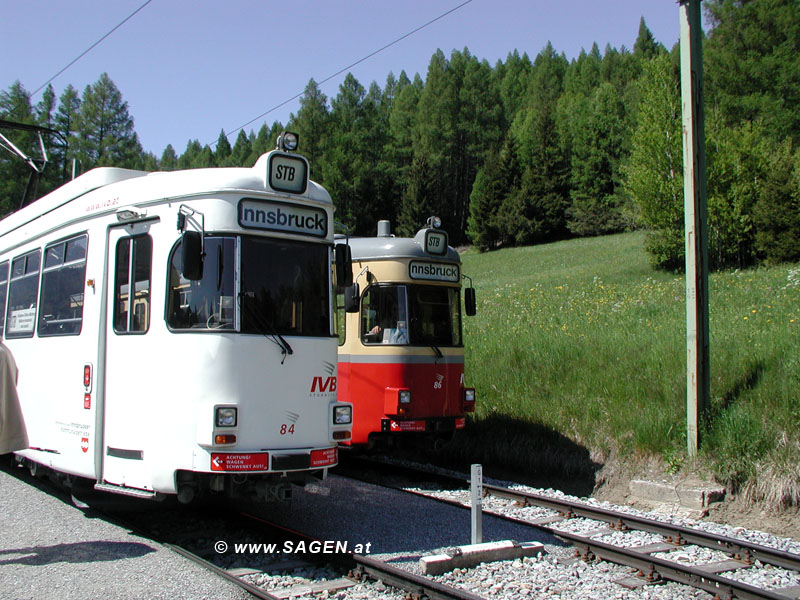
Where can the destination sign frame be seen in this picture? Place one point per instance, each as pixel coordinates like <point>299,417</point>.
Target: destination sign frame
<point>432,271</point>
<point>283,217</point>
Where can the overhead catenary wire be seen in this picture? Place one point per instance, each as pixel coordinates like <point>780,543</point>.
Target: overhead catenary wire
<point>90,48</point>
<point>288,100</point>
<point>342,70</point>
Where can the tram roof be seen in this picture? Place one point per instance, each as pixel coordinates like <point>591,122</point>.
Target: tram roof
<point>153,185</point>
<point>390,247</point>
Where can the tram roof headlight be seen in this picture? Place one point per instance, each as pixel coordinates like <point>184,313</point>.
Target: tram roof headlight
<point>342,415</point>
<point>434,222</point>
<point>404,396</point>
<point>226,416</point>
<point>288,141</point>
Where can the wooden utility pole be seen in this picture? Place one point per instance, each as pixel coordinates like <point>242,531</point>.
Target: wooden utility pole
<point>694,198</point>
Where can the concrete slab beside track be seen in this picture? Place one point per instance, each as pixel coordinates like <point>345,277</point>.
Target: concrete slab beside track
<point>51,549</point>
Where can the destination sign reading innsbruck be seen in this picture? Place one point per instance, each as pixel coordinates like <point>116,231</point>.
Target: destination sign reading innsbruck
<point>434,271</point>
<point>281,216</point>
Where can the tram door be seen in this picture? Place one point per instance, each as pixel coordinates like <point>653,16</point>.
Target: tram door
<point>128,419</point>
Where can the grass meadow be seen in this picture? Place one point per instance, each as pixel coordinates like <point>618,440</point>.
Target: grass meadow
<point>578,355</point>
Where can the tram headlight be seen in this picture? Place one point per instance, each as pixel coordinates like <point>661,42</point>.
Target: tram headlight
<point>342,415</point>
<point>468,405</point>
<point>404,396</point>
<point>226,416</point>
<point>434,222</point>
<point>288,141</point>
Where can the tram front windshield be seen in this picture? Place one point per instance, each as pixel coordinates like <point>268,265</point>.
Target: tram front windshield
<point>284,288</point>
<point>416,315</point>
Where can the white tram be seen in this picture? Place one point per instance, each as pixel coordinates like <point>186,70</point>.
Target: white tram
<point>157,359</point>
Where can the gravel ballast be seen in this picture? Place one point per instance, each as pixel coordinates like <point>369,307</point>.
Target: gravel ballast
<point>52,549</point>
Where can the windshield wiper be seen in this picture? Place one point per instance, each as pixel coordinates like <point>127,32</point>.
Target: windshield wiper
<point>271,334</point>
<point>437,351</point>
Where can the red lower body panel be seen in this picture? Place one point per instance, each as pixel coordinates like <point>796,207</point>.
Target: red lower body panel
<point>437,392</point>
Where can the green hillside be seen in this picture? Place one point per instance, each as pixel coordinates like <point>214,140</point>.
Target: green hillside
<point>578,355</point>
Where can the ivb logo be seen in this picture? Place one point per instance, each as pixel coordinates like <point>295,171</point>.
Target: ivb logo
<point>321,384</point>
<point>328,384</point>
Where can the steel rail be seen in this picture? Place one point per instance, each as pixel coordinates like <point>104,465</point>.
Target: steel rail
<point>360,565</point>
<point>652,568</point>
<point>248,587</point>
<point>722,587</point>
<point>410,582</point>
<point>747,552</point>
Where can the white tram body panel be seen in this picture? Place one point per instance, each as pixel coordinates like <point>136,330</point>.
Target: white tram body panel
<point>144,392</point>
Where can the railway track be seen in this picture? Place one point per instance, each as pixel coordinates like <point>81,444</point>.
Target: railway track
<point>197,534</point>
<point>601,536</point>
<point>339,570</point>
<point>358,568</point>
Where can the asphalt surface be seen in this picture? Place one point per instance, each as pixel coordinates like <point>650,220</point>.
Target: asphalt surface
<point>50,548</point>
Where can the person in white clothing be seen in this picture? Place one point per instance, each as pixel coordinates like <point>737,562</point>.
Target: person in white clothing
<point>13,434</point>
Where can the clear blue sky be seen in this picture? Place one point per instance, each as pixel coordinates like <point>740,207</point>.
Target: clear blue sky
<point>189,68</point>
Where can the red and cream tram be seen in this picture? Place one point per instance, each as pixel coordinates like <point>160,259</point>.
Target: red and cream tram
<point>401,350</point>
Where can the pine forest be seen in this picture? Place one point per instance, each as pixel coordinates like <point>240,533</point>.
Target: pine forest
<point>526,151</point>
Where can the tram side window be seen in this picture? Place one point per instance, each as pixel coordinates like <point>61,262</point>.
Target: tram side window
<point>3,290</point>
<point>23,291</point>
<point>206,303</point>
<point>63,276</point>
<point>133,263</point>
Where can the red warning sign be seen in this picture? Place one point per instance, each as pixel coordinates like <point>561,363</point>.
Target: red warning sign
<point>256,461</point>
<point>407,425</point>
<point>324,458</point>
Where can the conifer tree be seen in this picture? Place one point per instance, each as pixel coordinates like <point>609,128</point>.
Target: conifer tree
<point>752,58</point>
<point>646,46</point>
<point>595,161</point>
<point>653,173</point>
<point>66,122</point>
<point>402,131</point>
<point>107,136</point>
<point>223,152</point>
<point>513,76</point>
<point>343,166</point>
<point>544,195</point>
<point>15,106</point>
<point>189,158</point>
<point>52,174</point>
<point>242,149</point>
<point>490,202</point>
<point>169,159</point>
<point>430,177</point>
<point>312,125</point>
<point>777,211</point>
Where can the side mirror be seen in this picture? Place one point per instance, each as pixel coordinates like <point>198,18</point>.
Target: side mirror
<point>469,301</point>
<point>344,265</point>
<point>352,295</point>
<point>192,255</point>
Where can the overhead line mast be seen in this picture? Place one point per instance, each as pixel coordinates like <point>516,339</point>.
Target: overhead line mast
<point>696,229</point>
